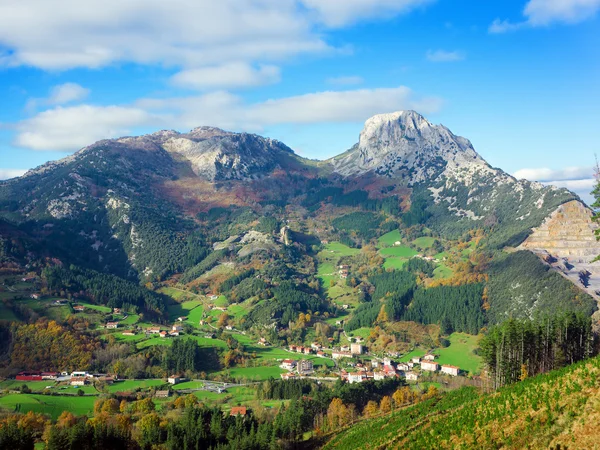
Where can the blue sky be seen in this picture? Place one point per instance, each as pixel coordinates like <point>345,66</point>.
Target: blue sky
<point>519,78</point>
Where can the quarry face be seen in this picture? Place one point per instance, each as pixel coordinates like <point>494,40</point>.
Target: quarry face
<point>566,241</point>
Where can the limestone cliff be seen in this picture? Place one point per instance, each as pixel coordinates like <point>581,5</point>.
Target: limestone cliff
<point>567,241</point>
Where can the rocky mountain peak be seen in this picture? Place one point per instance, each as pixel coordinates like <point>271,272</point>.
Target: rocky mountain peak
<point>405,143</point>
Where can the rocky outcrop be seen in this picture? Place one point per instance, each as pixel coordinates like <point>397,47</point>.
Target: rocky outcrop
<point>406,143</point>
<point>568,232</point>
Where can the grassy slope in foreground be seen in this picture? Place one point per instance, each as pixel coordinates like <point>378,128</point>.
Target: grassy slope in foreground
<point>558,408</point>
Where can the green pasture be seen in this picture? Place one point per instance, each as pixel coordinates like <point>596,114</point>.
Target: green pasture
<point>460,353</point>
<point>390,238</point>
<point>51,405</point>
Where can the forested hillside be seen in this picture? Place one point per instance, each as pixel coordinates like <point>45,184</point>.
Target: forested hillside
<point>555,410</point>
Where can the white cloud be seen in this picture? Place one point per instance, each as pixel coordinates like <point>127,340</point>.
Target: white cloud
<point>337,13</point>
<point>231,75</point>
<point>547,12</point>
<point>546,174</point>
<point>577,179</point>
<point>6,174</point>
<point>544,12</point>
<point>444,56</point>
<point>63,34</point>
<point>67,93</point>
<point>59,95</point>
<point>345,80</point>
<point>70,128</point>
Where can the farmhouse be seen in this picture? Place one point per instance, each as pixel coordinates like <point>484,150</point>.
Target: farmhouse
<point>416,360</point>
<point>345,348</point>
<point>174,333</point>
<point>307,350</point>
<point>163,334</point>
<point>288,376</point>
<point>175,379</point>
<point>305,367</point>
<point>79,381</point>
<point>429,357</point>
<point>263,342</point>
<point>50,375</point>
<point>153,330</point>
<point>288,364</point>
<point>411,376</point>
<point>316,346</point>
<point>116,310</point>
<point>321,354</point>
<point>402,366</point>
<point>177,328</point>
<point>430,366</point>
<point>79,308</point>
<point>238,411</point>
<point>128,333</point>
<point>35,296</point>
<point>112,325</point>
<point>181,319</point>
<point>451,370</point>
<point>162,394</point>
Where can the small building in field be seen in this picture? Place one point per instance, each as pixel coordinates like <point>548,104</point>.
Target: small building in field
<point>450,370</point>
<point>238,411</point>
<point>177,328</point>
<point>112,325</point>
<point>116,310</point>
<point>305,367</point>
<point>79,381</point>
<point>128,333</point>
<point>163,334</point>
<point>430,366</point>
<point>181,319</point>
<point>411,376</point>
<point>78,308</point>
<point>174,333</point>
<point>288,376</point>
<point>263,342</point>
<point>35,296</point>
<point>153,330</point>
<point>429,357</point>
<point>175,379</point>
<point>321,354</point>
<point>162,394</point>
<point>106,379</point>
<point>415,360</point>
<point>288,364</point>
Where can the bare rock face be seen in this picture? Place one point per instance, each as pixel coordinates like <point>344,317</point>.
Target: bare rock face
<point>567,233</point>
<point>566,240</point>
<point>406,142</point>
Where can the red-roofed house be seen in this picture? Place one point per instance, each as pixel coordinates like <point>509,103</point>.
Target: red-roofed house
<point>451,370</point>
<point>238,411</point>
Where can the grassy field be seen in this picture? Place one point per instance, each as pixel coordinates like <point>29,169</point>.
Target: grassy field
<point>99,308</point>
<point>131,320</point>
<point>460,353</point>
<point>202,342</point>
<point>416,352</point>
<point>48,404</point>
<point>340,249</point>
<point>423,242</point>
<point>360,332</point>
<point>394,263</point>
<point>195,315</point>
<point>400,251</point>
<point>35,386</point>
<point>327,272</point>
<point>442,271</point>
<point>390,238</point>
<point>132,385</point>
<point>188,385</point>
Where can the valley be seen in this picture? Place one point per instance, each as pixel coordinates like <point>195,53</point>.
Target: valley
<point>212,273</point>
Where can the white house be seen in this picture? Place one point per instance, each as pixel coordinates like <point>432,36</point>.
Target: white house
<point>451,370</point>
<point>79,381</point>
<point>402,366</point>
<point>379,376</point>
<point>112,325</point>
<point>175,379</point>
<point>430,357</point>
<point>411,376</point>
<point>177,328</point>
<point>430,366</point>
<point>416,360</point>
<point>288,364</point>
